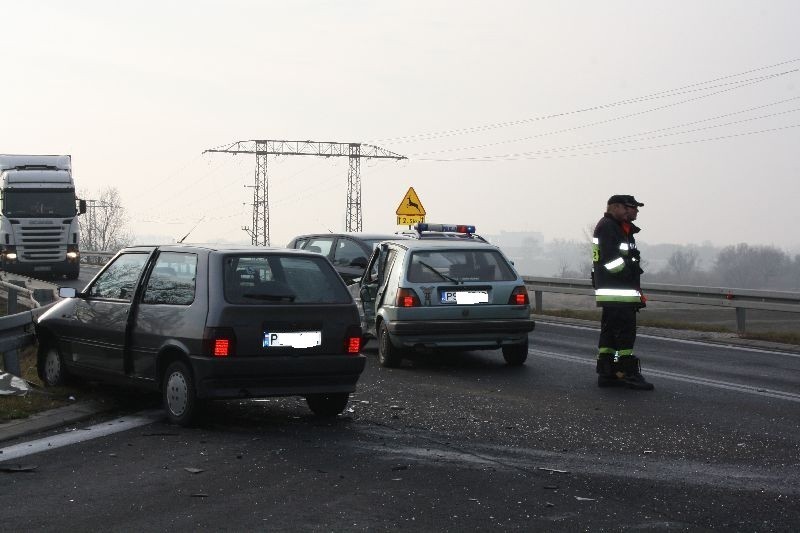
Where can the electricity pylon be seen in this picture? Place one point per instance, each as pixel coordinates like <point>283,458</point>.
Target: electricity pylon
<point>354,151</point>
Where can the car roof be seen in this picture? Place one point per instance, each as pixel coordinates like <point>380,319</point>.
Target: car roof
<point>436,244</point>
<point>355,234</point>
<point>215,247</point>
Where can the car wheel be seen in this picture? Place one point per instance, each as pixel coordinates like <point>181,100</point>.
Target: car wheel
<point>179,395</point>
<point>516,354</point>
<point>388,355</point>
<point>52,370</point>
<point>327,404</point>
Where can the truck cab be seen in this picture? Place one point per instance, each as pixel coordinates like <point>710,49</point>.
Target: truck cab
<point>39,230</point>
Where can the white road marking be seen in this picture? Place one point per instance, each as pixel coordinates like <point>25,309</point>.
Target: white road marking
<point>720,344</point>
<point>759,391</point>
<point>75,436</point>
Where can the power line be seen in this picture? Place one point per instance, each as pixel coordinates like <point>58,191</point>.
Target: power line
<point>492,159</point>
<point>486,127</point>
<point>640,137</point>
<point>629,115</point>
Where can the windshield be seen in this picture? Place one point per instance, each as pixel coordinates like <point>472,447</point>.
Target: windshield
<point>39,203</point>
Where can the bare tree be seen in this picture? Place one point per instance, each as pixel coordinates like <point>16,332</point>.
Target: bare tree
<point>572,257</point>
<point>683,263</point>
<point>104,226</point>
<point>751,267</point>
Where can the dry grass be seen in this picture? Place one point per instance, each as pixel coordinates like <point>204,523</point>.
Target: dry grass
<point>38,399</point>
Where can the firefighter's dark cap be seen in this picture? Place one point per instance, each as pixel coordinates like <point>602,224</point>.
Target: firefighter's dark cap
<point>625,199</point>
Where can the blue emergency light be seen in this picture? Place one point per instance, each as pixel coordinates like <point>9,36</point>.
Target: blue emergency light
<point>457,228</point>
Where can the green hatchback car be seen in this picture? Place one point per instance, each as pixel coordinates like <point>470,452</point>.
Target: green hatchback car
<point>427,294</point>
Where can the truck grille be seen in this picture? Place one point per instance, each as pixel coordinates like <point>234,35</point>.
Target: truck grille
<point>41,243</point>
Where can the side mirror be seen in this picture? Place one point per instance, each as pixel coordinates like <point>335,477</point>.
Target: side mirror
<point>81,207</point>
<point>67,292</point>
<point>360,262</point>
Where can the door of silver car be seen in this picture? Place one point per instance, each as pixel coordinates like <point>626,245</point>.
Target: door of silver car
<point>101,315</point>
<point>373,285</point>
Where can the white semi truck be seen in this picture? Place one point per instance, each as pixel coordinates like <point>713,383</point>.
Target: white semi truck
<point>39,232</point>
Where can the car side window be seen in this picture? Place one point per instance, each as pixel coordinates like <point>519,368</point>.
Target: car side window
<point>321,245</point>
<point>346,251</point>
<point>386,262</point>
<point>118,280</point>
<point>172,280</point>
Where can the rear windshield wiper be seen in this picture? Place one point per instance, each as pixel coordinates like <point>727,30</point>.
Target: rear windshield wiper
<point>271,297</point>
<point>443,276</point>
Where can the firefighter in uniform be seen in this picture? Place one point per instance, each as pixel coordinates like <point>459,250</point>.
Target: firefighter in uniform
<point>615,276</point>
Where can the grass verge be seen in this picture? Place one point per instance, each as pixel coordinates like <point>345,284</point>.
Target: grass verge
<point>38,398</point>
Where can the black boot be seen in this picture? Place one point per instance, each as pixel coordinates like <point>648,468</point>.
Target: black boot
<point>633,378</point>
<point>607,375</point>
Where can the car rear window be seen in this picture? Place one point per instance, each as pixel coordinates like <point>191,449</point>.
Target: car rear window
<point>461,265</point>
<point>282,279</point>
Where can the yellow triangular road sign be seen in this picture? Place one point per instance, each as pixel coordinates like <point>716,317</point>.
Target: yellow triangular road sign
<point>410,205</point>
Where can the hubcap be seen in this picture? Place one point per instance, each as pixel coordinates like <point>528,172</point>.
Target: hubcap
<point>177,393</point>
<point>52,366</point>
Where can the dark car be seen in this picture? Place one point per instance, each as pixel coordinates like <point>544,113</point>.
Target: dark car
<point>206,322</point>
<point>348,252</point>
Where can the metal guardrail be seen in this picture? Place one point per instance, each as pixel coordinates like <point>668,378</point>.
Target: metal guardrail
<point>96,258</point>
<point>17,327</point>
<point>738,299</point>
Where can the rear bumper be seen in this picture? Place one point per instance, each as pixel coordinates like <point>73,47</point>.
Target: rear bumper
<point>465,334</point>
<point>257,377</point>
<point>472,327</point>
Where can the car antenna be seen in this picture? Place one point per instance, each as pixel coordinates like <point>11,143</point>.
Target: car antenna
<point>191,230</point>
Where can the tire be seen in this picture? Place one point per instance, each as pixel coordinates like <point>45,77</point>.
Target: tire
<point>51,369</point>
<point>328,405</point>
<point>73,274</point>
<point>388,355</point>
<point>179,395</point>
<point>516,354</point>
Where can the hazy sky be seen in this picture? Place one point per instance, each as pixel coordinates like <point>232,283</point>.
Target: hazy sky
<point>515,115</point>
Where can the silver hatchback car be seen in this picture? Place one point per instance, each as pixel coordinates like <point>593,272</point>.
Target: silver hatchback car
<point>423,294</point>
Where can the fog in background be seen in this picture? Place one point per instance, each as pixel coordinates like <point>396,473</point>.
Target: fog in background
<point>520,117</point>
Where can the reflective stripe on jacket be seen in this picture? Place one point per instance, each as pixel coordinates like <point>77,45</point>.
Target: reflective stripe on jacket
<point>615,264</point>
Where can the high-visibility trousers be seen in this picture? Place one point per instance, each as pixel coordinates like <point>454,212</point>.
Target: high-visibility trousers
<point>617,330</point>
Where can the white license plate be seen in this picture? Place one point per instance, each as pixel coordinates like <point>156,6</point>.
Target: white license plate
<point>465,297</point>
<point>294,339</point>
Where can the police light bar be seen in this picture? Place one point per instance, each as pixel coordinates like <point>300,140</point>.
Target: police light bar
<point>459,228</point>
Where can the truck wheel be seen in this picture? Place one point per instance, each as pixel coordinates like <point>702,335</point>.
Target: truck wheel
<point>73,274</point>
<point>388,355</point>
<point>179,395</point>
<point>327,404</point>
<point>51,366</point>
<point>516,354</point>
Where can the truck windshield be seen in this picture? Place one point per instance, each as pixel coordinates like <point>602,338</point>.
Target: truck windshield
<point>39,203</point>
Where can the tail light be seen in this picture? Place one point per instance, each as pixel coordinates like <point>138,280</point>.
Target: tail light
<point>352,340</point>
<point>519,296</point>
<point>407,298</point>
<point>219,342</point>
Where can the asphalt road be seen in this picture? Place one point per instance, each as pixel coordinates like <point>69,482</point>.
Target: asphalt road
<point>456,442</point>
